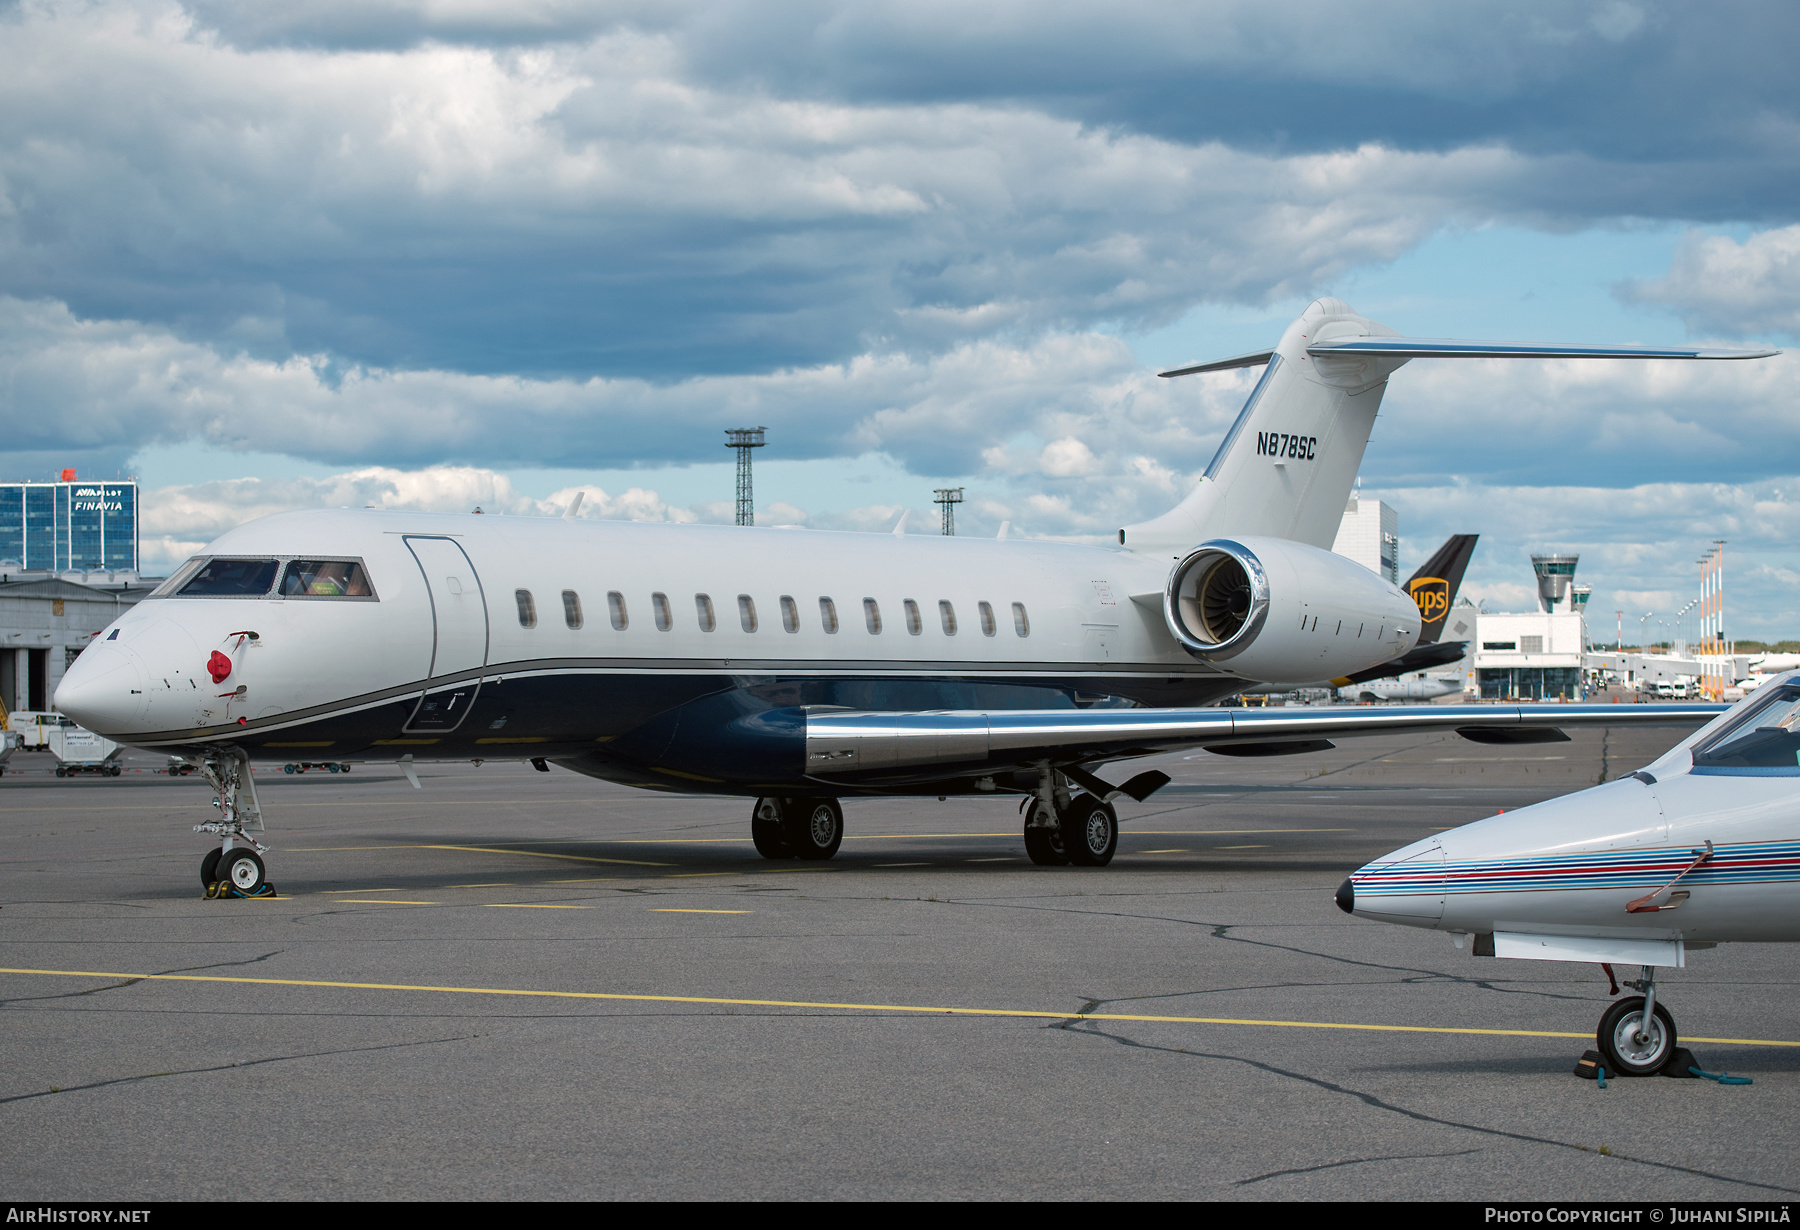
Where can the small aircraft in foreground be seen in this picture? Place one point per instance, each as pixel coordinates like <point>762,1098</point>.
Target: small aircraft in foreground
<point>1696,849</point>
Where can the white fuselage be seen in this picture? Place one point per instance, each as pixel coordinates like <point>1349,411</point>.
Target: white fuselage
<point>493,636</point>
<point>1569,867</point>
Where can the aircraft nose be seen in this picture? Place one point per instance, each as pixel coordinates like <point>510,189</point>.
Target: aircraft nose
<point>104,690</point>
<point>1346,896</point>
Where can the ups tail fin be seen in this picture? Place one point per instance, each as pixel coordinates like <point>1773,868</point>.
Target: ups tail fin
<point>1435,584</point>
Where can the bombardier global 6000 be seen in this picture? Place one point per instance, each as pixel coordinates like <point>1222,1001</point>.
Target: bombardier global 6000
<point>798,667</point>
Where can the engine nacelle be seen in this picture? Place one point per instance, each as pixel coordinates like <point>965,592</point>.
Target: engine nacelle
<point>1281,612</point>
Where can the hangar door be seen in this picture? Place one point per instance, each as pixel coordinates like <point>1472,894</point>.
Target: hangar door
<point>459,634</point>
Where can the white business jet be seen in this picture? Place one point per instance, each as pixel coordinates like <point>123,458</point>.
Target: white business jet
<point>797,667</point>
<point>1696,849</point>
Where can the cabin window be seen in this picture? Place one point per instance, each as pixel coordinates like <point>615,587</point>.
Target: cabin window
<point>872,616</point>
<point>659,607</point>
<point>828,615</point>
<point>615,607</point>
<point>703,608</point>
<point>790,614</point>
<point>947,617</point>
<point>571,608</point>
<point>914,624</point>
<point>986,609</point>
<point>232,578</point>
<point>325,578</point>
<point>527,608</point>
<point>1021,621</point>
<point>747,612</point>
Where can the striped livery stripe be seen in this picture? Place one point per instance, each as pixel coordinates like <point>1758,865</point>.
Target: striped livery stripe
<point>1746,863</point>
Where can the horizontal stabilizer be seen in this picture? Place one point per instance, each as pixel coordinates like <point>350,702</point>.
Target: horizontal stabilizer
<point>1449,348</point>
<point>1418,658</point>
<point>1255,358</point>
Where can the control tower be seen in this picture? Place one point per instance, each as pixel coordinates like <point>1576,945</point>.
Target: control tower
<point>1554,573</point>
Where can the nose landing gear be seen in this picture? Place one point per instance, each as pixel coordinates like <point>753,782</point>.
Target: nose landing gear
<point>236,868</point>
<point>1637,1034</point>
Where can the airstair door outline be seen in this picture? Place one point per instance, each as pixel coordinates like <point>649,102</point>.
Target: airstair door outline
<point>459,634</point>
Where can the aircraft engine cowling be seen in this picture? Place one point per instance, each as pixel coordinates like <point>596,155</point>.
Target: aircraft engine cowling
<point>1282,612</point>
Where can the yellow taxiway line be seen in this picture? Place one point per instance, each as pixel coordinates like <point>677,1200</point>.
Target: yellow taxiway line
<point>617,997</point>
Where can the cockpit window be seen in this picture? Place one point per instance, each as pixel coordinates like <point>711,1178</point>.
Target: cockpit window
<point>1764,740</point>
<point>179,577</point>
<point>325,578</point>
<point>231,578</point>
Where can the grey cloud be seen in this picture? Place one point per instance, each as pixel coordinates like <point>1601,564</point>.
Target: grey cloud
<point>1749,288</point>
<point>611,196</point>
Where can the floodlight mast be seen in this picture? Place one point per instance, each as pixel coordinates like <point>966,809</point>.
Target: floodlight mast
<point>948,498</point>
<point>743,439</point>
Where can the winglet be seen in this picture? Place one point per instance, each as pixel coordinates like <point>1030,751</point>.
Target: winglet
<point>574,506</point>
<point>900,525</point>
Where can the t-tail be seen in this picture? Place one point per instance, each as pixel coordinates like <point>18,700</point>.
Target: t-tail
<point>1286,466</point>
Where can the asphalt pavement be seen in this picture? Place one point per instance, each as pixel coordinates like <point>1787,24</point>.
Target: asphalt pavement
<point>511,984</point>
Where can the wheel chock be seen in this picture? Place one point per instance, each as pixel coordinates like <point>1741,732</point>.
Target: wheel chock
<point>1592,1067</point>
<point>224,889</point>
<point>1681,1060</point>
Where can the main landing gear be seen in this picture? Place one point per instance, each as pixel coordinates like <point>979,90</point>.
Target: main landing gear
<point>797,828</point>
<point>236,868</point>
<point>1062,829</point>
<point>1637,1034</point>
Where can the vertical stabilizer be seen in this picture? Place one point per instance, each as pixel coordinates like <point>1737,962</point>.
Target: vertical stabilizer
<point>1433,587</point>
<point>1286,466</point>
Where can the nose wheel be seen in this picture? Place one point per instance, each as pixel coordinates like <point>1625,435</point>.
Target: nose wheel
<point>1637,1034</point>
<point>235,868</point>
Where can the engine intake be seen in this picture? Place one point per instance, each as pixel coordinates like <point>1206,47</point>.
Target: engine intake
<point>1217,600</point>
<point>1282,612</point>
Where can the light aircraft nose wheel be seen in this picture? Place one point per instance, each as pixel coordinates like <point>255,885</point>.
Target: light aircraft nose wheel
<point>1044,843</point>
<point>766,832</point>
<point>1090,831</point>
<point>1627,1044</point>
<point>814,827</point>
<point>242,869</point>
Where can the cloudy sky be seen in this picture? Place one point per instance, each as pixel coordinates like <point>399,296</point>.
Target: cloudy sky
<point>447,252</point>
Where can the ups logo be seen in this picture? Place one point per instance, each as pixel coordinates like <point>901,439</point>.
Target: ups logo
<point>1432,594</point>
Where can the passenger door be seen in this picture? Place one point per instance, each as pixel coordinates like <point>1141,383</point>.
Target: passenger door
<point>459,634</point>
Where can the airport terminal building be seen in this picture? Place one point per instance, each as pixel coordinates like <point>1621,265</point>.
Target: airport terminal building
<point>68,526</point>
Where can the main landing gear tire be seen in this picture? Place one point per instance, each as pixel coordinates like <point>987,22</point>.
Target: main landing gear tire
<point>766,830</point>
<point>797,828</point>
<point>243,870</point>
<point>209,868</point>
<point>814,827</point>
<point>1090,831</point>
<point>1044,843</point>
<point>1619,1042</point>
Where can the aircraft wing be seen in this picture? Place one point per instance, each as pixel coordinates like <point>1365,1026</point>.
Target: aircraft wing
<point>852,746</point>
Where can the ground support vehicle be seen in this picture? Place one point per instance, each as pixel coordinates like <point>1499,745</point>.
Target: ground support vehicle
<point>82,751</point>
